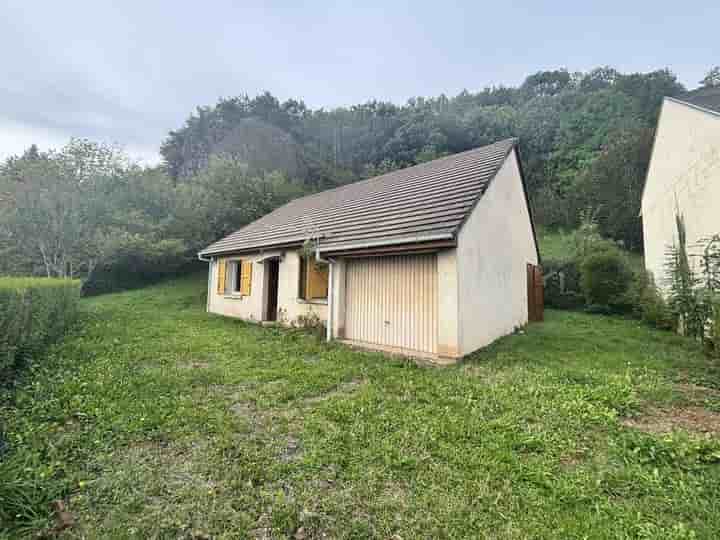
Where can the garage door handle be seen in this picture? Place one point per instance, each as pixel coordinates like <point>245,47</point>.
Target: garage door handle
<point>387,322</point>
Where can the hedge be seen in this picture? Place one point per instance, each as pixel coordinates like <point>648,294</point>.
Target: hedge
<point>562,284</point>
<point>34,312</point>
<point>605,278</point>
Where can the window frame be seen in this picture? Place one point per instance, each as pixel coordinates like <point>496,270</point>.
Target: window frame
<point>303,282</point>
<point>233,277</point>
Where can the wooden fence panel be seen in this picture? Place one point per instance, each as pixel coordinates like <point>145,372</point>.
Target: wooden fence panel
<point>535,293</point>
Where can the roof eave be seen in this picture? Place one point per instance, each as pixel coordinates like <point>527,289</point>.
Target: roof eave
<point>387,243</point>
<point>693,106</point>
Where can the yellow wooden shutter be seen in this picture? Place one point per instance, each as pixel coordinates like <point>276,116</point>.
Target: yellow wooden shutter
<point>245,277</point>
<point>221,276</point>
<point>317,284</point>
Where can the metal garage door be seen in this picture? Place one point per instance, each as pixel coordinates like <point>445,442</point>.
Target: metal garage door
<point>392,301</point>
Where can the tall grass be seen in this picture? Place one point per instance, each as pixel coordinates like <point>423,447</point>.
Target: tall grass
<point>34,312</point>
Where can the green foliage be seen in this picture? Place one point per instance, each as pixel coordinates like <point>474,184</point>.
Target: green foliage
<point>562,284</point>
<point>613,184</point>
<point>133,261</point>
<point>157,420</point>
<point>85,212</point>
<point>712,78</point>
<point>685,296</point>
<point>78,211</point>
<point>648,303</point>
<point>565,122</point>
<point>587,239</point>
<point>566,254</point>
<point>710,293</point>
<point>34,312</point>
<point>605,278</point>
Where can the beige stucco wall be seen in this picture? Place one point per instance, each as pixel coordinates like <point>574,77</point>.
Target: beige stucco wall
<point>290,307</point>
<point>448,343</point>
<point>494,247</point>
<point>684,176</point>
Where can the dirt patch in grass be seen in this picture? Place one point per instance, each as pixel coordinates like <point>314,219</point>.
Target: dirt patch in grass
<point>340,390</point>
<point>193,364</point>
<point>691,419</point>
<point>694,392</point>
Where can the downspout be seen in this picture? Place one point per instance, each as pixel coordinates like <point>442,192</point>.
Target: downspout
<point>331,289</point>
<point>209,280</point>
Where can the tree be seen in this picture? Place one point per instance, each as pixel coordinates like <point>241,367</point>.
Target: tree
<point>613,185</point>
<point>58,208</point>
<point>546,83</point>
<point>712,79</point>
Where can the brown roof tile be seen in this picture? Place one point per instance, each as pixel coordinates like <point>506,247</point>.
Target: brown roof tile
<point>425,202</point>
<point>708,98</point>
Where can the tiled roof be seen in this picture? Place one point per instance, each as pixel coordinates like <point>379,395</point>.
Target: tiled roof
<point>421,203</point>
<point>707,98</point>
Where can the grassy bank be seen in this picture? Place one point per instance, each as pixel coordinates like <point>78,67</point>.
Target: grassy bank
<point>158,420</point>
<point>34,312</point>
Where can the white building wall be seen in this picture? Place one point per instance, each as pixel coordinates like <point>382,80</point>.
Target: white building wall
<point>448,312</point>
<point>494,247</point>
<point>250,308</point>
<point>684,177</point>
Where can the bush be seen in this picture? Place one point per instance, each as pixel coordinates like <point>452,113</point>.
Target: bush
<point>34,312</point>
<point>605,278</point>
<point>562,284</point>
<point>134,261</point>
<point>647,302</point>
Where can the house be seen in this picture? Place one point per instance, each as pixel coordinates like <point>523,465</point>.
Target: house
<point>683,177</point>
<point>428,261</point>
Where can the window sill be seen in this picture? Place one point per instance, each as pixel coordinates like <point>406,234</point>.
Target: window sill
<point>316,301</point>
<point>234,296</point>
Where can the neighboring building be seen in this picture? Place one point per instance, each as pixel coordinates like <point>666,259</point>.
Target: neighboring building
<point>430,261</point>
<point>683,177</point>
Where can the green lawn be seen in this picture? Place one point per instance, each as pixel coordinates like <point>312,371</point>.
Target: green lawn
<point>156,420</point>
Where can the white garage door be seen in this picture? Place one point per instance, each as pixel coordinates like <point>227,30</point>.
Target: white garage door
<point>392,301</point>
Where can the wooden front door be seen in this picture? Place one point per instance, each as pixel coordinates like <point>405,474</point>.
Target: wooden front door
<point>272,268</point>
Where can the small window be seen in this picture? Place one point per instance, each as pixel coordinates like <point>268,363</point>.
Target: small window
<point>237,277</point>
<point>313,280</point>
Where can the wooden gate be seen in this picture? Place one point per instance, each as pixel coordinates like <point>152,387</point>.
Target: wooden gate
<point>535,293</point>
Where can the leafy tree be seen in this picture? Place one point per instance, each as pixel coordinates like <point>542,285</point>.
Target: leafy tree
<point>712,78</point>
<point>51,206</point>
<point>546,83</point>
<point>613,184</point>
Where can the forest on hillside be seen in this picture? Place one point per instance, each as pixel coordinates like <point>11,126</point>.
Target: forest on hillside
<point>85,210</point>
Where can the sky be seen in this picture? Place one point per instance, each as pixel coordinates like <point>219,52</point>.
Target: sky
<point>126,72</point>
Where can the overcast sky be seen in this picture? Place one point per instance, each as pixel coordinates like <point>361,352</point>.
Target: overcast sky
<point>128,71</point>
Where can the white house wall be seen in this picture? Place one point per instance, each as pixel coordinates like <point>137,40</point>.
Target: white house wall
<point>684,177</point>
<point>494,247</point>
<point>290,306</point>
<point>448,312</point>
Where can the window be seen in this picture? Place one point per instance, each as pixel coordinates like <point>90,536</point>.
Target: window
<point>234,277</point>
<point>313,280</point>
